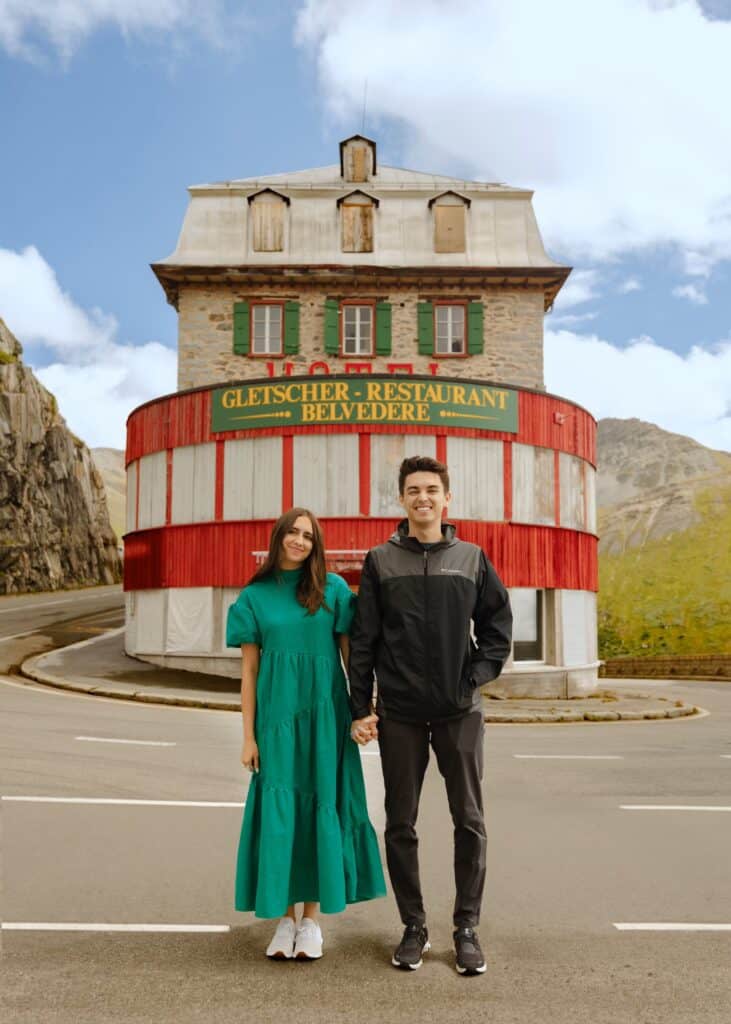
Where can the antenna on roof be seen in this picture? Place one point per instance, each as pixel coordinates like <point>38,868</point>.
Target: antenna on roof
<point>365,96</point>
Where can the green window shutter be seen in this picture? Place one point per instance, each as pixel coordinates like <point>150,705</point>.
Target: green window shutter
<point>475,331</point>
<point>332,332</point>
<point>425,314</point>
<point>291,328</point>
<point>241,328</point>
<point>383,329</point>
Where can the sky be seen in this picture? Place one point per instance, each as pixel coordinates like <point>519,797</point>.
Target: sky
<point>612,111</point>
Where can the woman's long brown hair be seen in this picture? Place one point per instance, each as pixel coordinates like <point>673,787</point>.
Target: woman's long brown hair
<point>311,587</point>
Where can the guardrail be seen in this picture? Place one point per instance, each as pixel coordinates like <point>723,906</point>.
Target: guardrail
<point>669,666</point>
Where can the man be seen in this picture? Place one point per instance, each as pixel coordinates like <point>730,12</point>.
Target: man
<point>420,594</point>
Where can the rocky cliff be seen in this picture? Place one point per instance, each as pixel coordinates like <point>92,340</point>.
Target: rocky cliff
<point>54,524</point>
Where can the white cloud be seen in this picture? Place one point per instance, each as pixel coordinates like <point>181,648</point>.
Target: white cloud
<point>612,110</point>
<point>692,293</point>
<point>688,394</point>
<point>96,380</point>
<point>29,26</point>
<point>571,318</point>
<point>580,287</point>
<point>632,284</point>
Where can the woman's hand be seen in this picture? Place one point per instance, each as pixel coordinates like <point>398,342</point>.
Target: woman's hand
<point>250,755</point>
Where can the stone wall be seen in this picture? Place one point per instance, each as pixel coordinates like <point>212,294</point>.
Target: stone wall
<point>513,324</point>
<point>54,524</point>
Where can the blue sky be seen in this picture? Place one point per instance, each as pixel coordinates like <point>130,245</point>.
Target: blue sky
<point>613,112</point>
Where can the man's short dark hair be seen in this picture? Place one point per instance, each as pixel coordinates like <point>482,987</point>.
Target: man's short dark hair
<point>422,464</point>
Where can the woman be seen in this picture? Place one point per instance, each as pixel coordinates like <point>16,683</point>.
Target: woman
<point>306,837</point>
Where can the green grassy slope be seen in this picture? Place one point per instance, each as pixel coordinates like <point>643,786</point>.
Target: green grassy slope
<point>673,595</point>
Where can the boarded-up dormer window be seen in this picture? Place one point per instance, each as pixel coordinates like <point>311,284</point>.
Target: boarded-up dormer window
<point>449,213</point>
<point>356,215</point>
<point>358,159</point>
<point>267,211</point>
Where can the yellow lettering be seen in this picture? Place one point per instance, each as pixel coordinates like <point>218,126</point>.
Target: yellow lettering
<point>488,398</point>
<point>229,399</point>
<point>309,412</point>
<point>458,393</point>
<point>374,390</point>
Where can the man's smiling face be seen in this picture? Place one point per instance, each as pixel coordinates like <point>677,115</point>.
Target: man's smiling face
<point>424,499</point>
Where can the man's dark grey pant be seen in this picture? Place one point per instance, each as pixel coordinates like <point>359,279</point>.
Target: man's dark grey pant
<point>457,744</point>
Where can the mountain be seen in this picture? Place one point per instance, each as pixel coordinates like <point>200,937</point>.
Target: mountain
<point>110,463</point>
<point>54,523</point>
<point>664,522</point>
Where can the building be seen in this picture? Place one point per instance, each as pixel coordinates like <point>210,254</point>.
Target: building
<point>331,322</point>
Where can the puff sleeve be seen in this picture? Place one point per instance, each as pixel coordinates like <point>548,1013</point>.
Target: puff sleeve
<point>241,624</point>
<point>345,601</point>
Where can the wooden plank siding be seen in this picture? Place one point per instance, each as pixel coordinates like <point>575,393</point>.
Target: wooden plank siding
<point>220,554</point>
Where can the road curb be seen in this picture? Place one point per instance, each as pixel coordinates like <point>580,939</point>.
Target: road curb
<point>555,713</point>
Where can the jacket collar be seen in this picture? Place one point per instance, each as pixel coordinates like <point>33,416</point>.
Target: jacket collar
<point>402,539</point>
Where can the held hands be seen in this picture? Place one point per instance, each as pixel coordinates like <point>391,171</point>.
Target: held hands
<point>250,755</point>
<point>363,730</point>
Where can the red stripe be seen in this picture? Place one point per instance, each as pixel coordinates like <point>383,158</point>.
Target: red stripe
<point>220,452</point>
<point>220,554</point>
<point>364,461</point>
<point>557,488</point>
<point>441,453</point>
<point>287,472</point>
<point>507,481</point>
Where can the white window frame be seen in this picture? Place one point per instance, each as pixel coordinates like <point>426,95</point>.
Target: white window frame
<point>446,338</point>
<point>362,339</point>
<point>262,312</point>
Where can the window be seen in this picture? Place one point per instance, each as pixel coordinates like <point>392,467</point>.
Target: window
<point>449,222</point>
<point>527,608</point>
<point>449,332</point>
<point>266,330</point>
<point>267,216</point>
<point>357,330</point>
<point>356,221</point>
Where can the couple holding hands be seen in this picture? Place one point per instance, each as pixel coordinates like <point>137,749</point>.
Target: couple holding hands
<point>432,623</point>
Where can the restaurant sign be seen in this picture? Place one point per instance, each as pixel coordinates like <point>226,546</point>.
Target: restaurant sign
<point>365,400</point>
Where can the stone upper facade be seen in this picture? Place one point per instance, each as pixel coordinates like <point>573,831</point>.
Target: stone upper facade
<point>398,243</point>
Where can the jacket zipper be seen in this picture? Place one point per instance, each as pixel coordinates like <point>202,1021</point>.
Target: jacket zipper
<point>427,662</point>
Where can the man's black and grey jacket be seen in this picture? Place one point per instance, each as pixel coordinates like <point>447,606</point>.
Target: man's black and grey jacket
<point>416,607</point>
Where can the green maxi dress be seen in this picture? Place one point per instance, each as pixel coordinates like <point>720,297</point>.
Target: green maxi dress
<point>306,835</point>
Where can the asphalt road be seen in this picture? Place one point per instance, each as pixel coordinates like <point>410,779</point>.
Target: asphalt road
<point>567,863</point>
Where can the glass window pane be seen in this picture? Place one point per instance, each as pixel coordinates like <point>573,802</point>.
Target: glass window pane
<point>527,605</point>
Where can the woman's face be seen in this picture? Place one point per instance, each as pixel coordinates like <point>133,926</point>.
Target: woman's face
<point>297,544</point>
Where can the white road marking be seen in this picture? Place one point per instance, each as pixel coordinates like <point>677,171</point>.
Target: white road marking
<point>140,743</point>
<point>16,636</point>
<point>74,926</point>
<point>105,800</point>
<point>48,604</point>
<point>670,926</point>
<point>671,807</point>
<point>725,755</point>
<point>570,757</point>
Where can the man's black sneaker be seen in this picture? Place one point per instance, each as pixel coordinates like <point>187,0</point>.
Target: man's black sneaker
<point>415,941</point>
<point>469,955</point>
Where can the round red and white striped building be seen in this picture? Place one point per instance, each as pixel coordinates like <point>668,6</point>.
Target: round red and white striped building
<point>333,322</point>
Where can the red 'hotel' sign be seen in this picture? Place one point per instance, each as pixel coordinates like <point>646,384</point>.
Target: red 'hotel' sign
<point>365,399</point>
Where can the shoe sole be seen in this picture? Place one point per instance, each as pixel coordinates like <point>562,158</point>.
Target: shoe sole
<point>411,967</point>
<point>279,955</point>
<point>305,957</point>
<point>470,970</point>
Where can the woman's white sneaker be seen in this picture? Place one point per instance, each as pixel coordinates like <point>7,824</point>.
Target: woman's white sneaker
<point>308,940</point>
<point>282,945</point>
